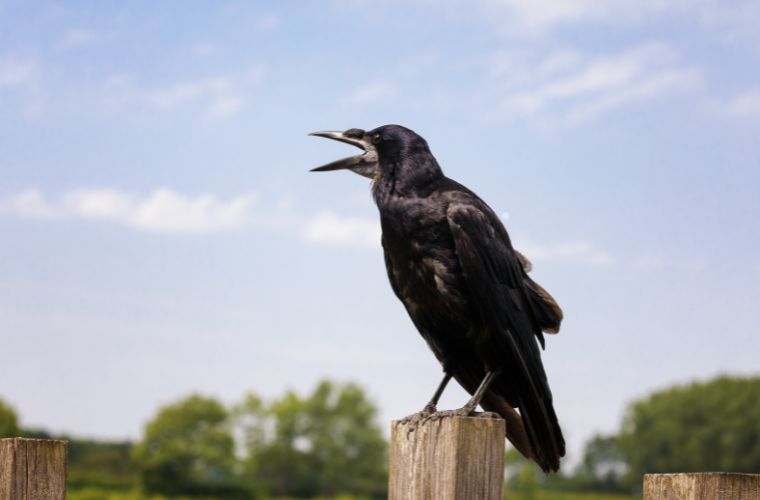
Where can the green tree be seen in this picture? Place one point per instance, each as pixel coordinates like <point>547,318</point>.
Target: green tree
<point>324,444</point>
<point>8,421</point>
<point>707,426</point>
<point>188,449</point>
<point>102,464</point>
<point>602,467</point>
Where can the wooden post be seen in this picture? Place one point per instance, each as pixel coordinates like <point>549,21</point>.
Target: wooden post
<point>702,486</point>
<point>32,469</point>
<point>455,458</point>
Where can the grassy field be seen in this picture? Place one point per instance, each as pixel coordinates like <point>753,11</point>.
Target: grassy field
<point>566,495</point>
<point>98,494</point>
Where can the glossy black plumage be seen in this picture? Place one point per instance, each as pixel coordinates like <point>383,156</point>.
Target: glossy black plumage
<point>451,263</point>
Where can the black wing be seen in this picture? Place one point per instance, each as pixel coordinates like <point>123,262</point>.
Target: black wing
<point>494,277</point>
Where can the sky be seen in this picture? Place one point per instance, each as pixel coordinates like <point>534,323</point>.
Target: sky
<point>160,233</point>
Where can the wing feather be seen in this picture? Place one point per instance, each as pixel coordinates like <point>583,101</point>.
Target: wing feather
<point>494,276</point>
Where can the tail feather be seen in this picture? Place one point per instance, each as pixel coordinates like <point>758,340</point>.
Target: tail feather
<point>535,431</point>
<point>544,432</point>
<point>516,433</point>
<point>545,308</point>
<point>547,311</point>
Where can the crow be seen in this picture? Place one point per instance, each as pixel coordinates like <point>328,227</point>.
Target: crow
<point>467,290</point>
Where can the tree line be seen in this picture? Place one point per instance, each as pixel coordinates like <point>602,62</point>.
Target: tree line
<point>328,443</point>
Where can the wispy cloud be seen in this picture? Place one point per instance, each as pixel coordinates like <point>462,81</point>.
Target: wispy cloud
<point>267,22</point>
<point>328,228</point>
<point>213,97</point>
<point>218,95</point>
<point>566,88</point>
<point>75,38</point>
<point>371,93</point>
<point>15,72</point>
<point>535,17</point>
<point>659,262</point>
<point>582,251</point>
<point>734,21</point>
<point>163,210</point>
<point>745,104</point>
<point>225,105</point>
<point>167,211</point>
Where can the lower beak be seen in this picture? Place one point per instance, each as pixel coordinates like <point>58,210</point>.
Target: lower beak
<point>364,164</point>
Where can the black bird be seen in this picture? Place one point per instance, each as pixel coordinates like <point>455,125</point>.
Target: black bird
<point>451,263</point>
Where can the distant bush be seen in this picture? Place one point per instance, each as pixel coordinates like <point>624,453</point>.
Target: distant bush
<point>8,421</point>
<point>699,427</point>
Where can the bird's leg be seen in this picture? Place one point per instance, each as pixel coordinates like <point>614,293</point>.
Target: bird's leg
<point>414,419</point>
<point>433,403</point>
<point>469,408</point>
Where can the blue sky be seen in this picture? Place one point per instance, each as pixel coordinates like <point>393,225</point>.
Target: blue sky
<point>161,234</point>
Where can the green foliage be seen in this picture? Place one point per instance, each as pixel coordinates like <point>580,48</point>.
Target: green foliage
<point>546,494</point>
<point>188,450</point>
<point>101,464</point>
<point>527,485</point>
<point>710,426</point>
<point>325,444</point>
<point>94,493</point>
<point>602,467</point>
<point>8,421</point>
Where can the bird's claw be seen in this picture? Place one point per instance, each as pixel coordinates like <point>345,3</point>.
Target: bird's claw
<point>414,420</point>
<point>465,411</point>
<point>460,412</point>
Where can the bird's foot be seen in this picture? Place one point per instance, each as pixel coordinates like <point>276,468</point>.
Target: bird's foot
<point>465,411</point>
<point>414,420</point>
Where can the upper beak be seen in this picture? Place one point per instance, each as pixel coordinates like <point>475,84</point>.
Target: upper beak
<point>364,164</point>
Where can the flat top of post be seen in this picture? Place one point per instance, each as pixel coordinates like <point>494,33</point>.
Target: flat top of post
<point>34,440</point>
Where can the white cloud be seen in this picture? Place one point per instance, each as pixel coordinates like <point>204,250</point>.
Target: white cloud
<point>15,72</point>
<point>224,106</point>
<point>218,95</point>
<point>255,74</point>
<point>182,93</point>
<point>29,204</point>
<point>577,251</point>
<point>76,38</point>
<point>535,17</point>
<point>164,210</point>
<point>566,88</point>
<point>737,20</point>
<point>745,104</point>
<point>267,22</point>
<point>371,92</point>
<point>202,49</point>
<point>327,228</point>
<point>659,263</point>
<point>734,21</point>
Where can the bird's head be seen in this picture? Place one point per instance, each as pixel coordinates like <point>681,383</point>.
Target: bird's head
<point>384,145</point>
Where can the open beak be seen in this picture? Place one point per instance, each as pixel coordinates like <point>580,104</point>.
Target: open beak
<point>364,164</point>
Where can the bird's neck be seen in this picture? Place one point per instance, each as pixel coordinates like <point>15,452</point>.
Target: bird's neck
<point>405,178</point>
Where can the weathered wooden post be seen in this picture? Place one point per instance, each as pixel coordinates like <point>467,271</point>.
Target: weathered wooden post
<point>702,486</point>
<point>455,458</point>
<point>32,469</point>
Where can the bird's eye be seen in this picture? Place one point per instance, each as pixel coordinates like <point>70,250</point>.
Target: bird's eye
<point>376,138</point>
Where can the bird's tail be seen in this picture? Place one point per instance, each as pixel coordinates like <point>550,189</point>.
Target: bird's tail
<point>535,431</point>
<point>546,310</point>
<point>516,433</point>
<point>543,431</point>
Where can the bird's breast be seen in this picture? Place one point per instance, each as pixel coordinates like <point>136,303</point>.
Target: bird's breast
<point>424,266</point>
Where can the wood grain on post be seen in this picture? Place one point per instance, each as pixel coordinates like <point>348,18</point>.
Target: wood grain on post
<point>455,458</point>
<point>702,486</point>
<point>32,469</point>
